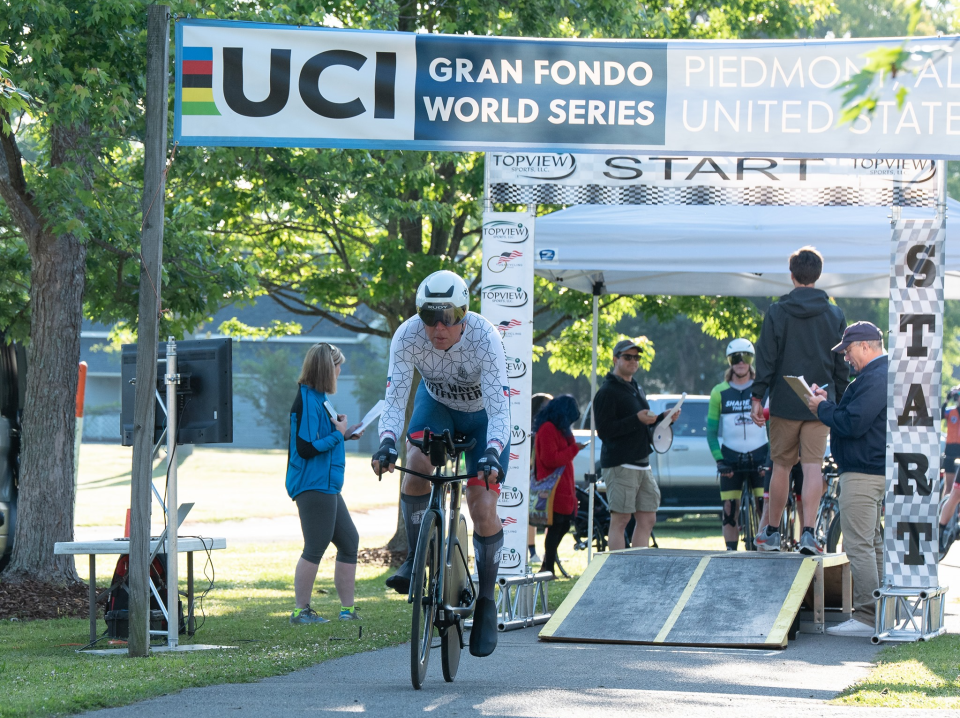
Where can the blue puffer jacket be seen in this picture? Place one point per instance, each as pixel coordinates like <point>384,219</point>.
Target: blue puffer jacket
<point>858,425</point>
<point>316,458</point>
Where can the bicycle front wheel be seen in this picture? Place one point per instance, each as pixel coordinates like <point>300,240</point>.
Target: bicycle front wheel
<point>749,518</point>
<point>459,591</point>
<point>425,577</point>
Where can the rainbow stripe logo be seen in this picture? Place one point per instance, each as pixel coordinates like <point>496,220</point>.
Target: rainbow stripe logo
<point>197,69</point>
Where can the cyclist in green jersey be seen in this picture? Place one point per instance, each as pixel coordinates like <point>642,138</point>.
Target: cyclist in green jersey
<point>744,450</point>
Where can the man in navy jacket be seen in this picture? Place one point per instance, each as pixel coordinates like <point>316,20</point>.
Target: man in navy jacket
<point>858,436</point>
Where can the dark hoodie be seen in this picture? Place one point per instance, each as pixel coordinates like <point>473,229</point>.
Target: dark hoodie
<point>796,338</point>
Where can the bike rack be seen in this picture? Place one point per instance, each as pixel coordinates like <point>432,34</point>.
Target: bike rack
<point>522,601</point>
<point>909,614</point>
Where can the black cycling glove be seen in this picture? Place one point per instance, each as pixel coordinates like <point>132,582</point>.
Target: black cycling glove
<point>488,462</point>
<point>386,454</point>
<point>724,469</point>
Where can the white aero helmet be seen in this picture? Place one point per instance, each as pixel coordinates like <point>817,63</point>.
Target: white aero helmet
<point>742,350</point>
<point>443,298</point>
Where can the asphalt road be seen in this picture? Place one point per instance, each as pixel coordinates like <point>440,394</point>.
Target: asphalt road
<point>526,677</point>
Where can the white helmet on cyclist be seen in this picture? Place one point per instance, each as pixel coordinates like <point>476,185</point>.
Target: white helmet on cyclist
<point>443,298</point>
<point>741,350</point>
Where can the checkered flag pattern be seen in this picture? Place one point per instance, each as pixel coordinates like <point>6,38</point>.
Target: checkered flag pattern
<point>913,403</point>
<point>646,194</point>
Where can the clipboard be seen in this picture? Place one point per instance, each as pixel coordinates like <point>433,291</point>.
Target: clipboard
<point>663,431</point>
<point>800,386</point>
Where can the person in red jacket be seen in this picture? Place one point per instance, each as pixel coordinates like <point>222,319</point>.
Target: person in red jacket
<point>555,448</point>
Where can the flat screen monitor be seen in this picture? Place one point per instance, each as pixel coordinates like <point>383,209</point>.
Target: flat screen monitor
<point>204,395</point>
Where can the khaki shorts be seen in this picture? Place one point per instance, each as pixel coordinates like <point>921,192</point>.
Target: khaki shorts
<point>792,441</point>
<point>631,490</point>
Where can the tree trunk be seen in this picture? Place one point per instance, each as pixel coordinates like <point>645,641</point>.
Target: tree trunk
<point>400,541</point>
<point>47,486</point>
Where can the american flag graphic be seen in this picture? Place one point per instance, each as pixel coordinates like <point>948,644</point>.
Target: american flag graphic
<point>514,457</point>
<point>506,325</point>
<point>511,392</point>
<point>505,257</point>
<point>507,521</point>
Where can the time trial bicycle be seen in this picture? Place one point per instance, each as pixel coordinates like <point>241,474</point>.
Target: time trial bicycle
<point>441,589</point>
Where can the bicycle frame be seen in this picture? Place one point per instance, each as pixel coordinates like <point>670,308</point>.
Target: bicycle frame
<point>446,494</point>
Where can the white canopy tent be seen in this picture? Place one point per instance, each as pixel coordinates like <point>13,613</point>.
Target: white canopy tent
<point>723,250</point>
<point>730,250</point>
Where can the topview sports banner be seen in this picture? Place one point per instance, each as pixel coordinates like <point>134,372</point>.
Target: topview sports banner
<point>566,178</point>
<point>506,299</point>
<point>252,84</point>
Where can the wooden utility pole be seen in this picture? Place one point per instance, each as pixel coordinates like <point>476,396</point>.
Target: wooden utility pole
<point>151,250</point>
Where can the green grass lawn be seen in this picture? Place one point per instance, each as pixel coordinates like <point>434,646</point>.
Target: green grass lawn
<point>42,674</point>
<point>912,675</point>
<point>225,485</point>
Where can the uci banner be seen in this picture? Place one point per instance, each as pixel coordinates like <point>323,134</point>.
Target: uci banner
<point>251,84</point>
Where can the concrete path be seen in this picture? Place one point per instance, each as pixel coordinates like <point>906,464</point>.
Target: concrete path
<point>528,678</point>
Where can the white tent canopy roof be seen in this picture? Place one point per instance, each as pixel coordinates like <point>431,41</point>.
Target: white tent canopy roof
<point>724,250</point>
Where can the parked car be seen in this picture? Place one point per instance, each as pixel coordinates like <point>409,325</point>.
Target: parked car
<point>687,473</point>
<point>12,387</point>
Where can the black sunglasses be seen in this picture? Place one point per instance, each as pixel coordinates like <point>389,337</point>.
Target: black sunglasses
<point>740,357</point>
<point>434,314</point>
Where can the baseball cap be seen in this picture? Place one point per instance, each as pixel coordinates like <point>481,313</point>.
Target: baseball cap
<point>858,332</point>
<point>624,345</point>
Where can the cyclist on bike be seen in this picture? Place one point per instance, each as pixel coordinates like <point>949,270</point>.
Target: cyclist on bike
<point>460,356</point>
<point>744,452</point>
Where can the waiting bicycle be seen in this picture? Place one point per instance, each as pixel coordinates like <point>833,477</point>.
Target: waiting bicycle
<point>441,589</point>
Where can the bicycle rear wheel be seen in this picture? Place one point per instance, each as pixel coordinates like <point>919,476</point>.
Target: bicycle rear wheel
<point>749,518</point>
<point>835,535</point>
<point>425,577</point>
<point>458,591</point>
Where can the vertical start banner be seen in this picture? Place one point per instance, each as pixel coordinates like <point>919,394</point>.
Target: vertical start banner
<point>913,404</point>
<point>507,301</point>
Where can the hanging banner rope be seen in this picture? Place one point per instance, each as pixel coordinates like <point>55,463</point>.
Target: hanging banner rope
<point>250,84</point>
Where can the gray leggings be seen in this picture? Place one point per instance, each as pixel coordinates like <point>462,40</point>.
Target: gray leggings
<point>324,518</point>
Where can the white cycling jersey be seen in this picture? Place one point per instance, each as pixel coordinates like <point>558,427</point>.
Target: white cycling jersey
<point>469,376</point>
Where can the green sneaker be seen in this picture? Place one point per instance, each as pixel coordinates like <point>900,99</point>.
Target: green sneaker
<point>306,615</point>
<point>347,615</point>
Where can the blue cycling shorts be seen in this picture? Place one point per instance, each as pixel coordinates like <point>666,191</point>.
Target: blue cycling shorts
<point>431,414</point>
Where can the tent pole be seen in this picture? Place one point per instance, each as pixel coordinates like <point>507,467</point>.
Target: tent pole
<point>941,189</point>
<point>591,488</point>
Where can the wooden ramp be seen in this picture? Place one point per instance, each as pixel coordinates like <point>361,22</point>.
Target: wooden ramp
<point>685,598</point>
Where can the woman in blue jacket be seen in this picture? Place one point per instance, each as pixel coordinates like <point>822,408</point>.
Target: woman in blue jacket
<point>315,466</point>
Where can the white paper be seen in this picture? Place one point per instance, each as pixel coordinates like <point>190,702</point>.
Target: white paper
<point>673,411</point>
<point>371,416</point>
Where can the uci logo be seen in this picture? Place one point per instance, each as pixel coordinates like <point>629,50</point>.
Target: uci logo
<point>510,496</point>
<point>307,82</point>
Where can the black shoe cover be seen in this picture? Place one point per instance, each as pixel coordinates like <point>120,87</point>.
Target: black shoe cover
<point>400,581</point>
<point>483,635</point>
